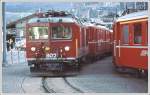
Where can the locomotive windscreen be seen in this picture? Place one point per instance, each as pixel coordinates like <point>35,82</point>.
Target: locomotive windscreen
<point>61,32</point>
<point>38,33</point>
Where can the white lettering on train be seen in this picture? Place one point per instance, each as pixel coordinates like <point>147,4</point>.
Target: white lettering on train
<point>51,55</point>
<point>144,53</point>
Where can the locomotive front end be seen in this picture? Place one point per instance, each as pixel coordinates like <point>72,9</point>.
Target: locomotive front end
<point>51,45</point>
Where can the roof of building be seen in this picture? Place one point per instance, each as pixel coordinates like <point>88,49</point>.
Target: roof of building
<point>136,15</point>
<point>12,24</point>
<point>46,15</point>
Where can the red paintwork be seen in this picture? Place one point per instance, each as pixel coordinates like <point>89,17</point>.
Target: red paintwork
<point>130,57</point>
<point>97,40</point>
<point>53,44</point>
<point>91,41</point>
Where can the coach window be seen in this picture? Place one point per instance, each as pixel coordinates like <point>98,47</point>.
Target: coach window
<point>125,34</point>
<point>61,32</point>
<point>137,33</point>
<point>38,33</point>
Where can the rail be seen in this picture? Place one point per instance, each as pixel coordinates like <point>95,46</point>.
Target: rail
<point>49,90</point>
<point>73,87</point>
<point>46,87</point>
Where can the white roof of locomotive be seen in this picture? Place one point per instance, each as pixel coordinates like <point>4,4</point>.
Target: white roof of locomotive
<point>136,15</point>
<point>53,19</point>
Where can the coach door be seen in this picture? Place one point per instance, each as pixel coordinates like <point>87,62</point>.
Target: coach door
<point>116,50</point>
<point>121,36</point>
<point>124,44</point>
<point>122,39</point>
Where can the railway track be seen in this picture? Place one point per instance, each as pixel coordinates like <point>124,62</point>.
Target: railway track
<point>73,87</point>
<point>46,87</point>
<point>34,84</point>
<point>22,85</point>
<point>64,80</point>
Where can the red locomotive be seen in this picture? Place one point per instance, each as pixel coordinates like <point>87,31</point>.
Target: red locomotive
<point>131,41</point>
<point>56,41</point>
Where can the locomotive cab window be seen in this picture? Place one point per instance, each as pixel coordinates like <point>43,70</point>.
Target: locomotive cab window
<point>137,33</point>
<point>61,32</point>
<point>125,34</point>
<point>38,33</point>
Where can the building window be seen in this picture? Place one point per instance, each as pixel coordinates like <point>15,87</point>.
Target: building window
<point>125,34</point>
<point>61,32</point>
<point>137,33</point>
<point>38,33</point>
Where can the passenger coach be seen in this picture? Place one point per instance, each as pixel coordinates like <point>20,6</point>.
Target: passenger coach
<point>131,41</point>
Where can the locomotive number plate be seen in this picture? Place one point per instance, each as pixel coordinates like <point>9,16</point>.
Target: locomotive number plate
<point>51,55</point>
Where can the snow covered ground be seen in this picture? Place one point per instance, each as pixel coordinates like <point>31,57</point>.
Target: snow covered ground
<point>16,57</point>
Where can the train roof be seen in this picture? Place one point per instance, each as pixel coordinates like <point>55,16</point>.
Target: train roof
<point>100,26</point>
<point>111,30</point>
<point>53,20</point>
<point>88,24</point>
<point>136,15</point>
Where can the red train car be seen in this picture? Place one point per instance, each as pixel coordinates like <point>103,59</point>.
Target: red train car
<point>59,42</point>
<point>99,40</point>
<point>131,41</point>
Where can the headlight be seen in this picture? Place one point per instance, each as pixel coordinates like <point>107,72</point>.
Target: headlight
<point>67,48</point>
<point>47,48</point>
<point>33,48</point>
<point>61,50</point>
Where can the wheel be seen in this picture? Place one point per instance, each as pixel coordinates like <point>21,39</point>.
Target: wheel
<point>35,68</point>
<point>78,66</point>
<point>141,73</point>
<point>87,60</point>
<point>120,69</point>
<point>115,66</point>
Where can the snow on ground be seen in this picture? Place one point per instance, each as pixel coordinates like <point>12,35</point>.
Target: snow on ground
<point>15,57</point>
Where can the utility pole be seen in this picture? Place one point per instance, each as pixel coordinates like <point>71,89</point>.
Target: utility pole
<point>4,35</point>
<point>135,6</point>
